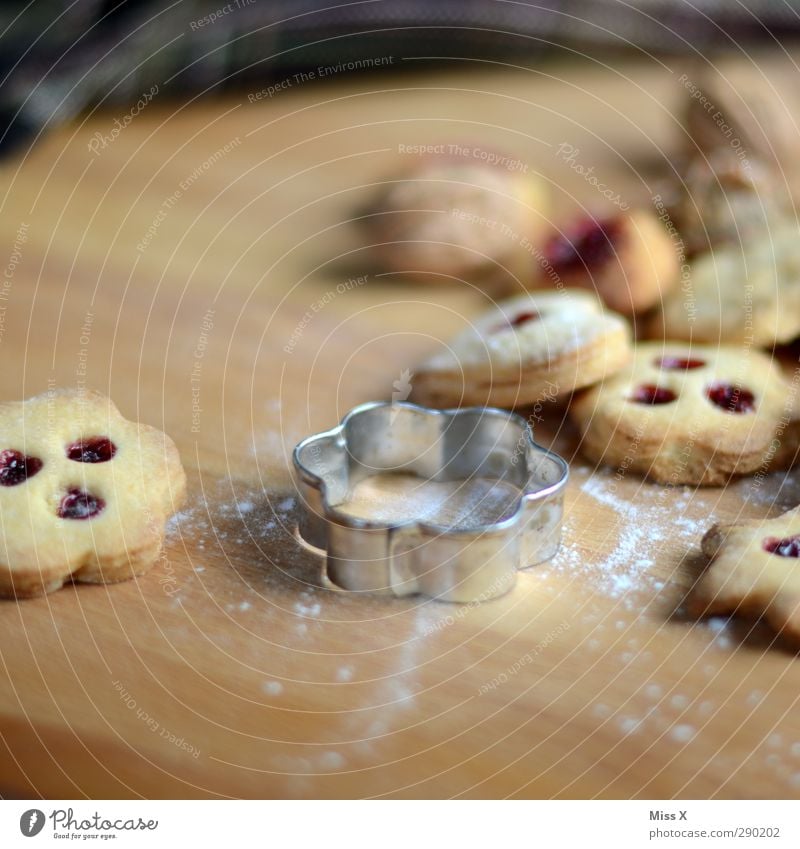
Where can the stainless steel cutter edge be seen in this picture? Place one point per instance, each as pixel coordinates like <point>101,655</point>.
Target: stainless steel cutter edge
<point>462,565</point>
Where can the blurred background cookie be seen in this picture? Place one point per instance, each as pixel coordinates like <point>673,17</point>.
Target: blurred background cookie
<point>527,350</point>
<point>471,214</point>
<point>748,294</point>
<point>628,259</point>
<point>716,200</point>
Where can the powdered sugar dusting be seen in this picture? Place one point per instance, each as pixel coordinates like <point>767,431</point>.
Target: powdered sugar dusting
<point>637,540</point>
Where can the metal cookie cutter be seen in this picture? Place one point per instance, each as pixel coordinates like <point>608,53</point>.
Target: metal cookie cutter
<point>457,563</point>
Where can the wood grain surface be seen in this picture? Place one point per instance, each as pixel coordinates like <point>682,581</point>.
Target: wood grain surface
<point>196,268</point>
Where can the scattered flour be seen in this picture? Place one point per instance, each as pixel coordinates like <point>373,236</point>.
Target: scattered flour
<point>683,733</point>
<point>653,692</point>
<point>628,724</point>
<point>637,540</point>
<point>272,688</point>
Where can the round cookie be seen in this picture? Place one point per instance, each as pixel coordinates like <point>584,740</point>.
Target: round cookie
<point>456,217</point>
<point>695,414</point>
<point>754,571</point>
<point>84,493</point>
<point>533,348</point>
<point>739,295</point>
<point>628,259</point>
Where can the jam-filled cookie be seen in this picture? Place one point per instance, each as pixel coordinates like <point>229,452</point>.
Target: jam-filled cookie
<point>84,493</point>
<point>629,259</point>
<point>754,571</point>
<point>527,350</point>
<point>683,414</point>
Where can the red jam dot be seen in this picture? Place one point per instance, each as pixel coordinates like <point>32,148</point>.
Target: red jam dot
<point>650,394</point>
<point>788,547</point>
<point>16,468</point>
<point>96,449</point>
<point>733,399</point>
<point>588,245</point>
<point>517,321</point>
<point>524,318</point>
<point>77,504</point>
<point>678,363</point>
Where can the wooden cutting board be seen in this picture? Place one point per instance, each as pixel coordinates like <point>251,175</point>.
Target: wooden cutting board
<point>196,268</point>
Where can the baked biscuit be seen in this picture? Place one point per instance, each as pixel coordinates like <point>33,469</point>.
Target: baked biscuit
<point>456,218</point>
<point>628,259</point>
<point>695,414</point>
<point>533,348</point>
<point>745,295</point>
<point>84,493</point>
<point>755,571</point>
<point>718,200</point>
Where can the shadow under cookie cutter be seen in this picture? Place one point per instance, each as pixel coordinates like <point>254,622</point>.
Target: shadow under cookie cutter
<point>457,564</point>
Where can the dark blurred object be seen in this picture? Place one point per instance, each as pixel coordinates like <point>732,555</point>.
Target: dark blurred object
<point>61,57</point>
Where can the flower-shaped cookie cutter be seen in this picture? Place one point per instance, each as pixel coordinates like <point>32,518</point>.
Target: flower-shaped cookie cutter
<point>459,563</point>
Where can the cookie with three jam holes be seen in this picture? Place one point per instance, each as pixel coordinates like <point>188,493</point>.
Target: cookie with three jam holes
<point>691,415</point>
<point>528,350</point>
<point>754,570</point>
<point>84,493</point>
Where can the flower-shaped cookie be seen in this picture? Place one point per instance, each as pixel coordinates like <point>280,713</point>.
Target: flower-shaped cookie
<point>696,414</point>
<point>84,493</point>
<point>527,350</point>
<point>755,571</point>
